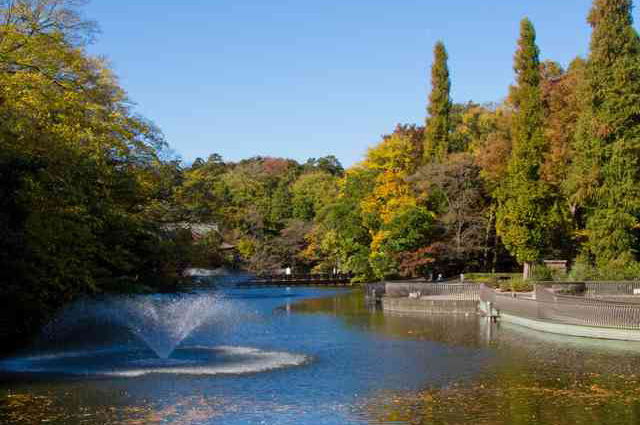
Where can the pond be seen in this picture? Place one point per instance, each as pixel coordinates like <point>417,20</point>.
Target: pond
<point>319,356</point>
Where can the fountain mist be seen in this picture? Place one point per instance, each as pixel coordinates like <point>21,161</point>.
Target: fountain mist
<point>162,322</point>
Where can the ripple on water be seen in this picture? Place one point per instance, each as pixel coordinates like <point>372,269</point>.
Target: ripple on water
<point>195,360</point>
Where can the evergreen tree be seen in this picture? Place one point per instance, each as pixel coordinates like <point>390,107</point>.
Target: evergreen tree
<point>437,129</point>
<point>525,205</point>
<point>604,179</point>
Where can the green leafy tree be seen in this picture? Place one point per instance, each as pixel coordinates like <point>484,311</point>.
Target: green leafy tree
<point>604,182</point>
<point>437,128</point>
<point>524,217</point>
<point>329,164</point>
<point>409,230</point>
<point>345,220</point>
<point>78,168</point>
<point>312,193</point>
<point>201,195</point>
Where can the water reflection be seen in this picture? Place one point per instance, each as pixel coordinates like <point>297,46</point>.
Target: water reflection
<point>532,378</point>
<point>517,394</point>
<point>453,330</point>
<point>511,332</point>
<point>368,368</point>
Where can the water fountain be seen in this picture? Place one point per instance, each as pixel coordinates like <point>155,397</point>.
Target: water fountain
<point>137,335</point>
<point>162,323</point>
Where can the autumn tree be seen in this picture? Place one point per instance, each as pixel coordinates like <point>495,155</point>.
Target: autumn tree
<point>561,96</point>
<point>392,161</point>
<point>458,184</point>
<point>492,148</point>
<point>604,179</point>
<point>436,136</point>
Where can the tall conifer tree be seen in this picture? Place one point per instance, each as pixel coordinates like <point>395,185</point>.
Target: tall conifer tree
<point>604,182</point>
<point>437,129</point>
<point>523,218</point>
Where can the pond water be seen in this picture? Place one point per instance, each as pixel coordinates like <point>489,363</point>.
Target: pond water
<point>317,356</point>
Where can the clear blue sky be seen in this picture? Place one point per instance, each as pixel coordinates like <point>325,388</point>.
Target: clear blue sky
<point>310,78</point>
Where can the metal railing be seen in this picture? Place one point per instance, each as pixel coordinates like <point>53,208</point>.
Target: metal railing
<point>546,304</point>
<point>299,279</point>
<point>452,291</point>
<point>457,291</point>
<point>599,289</point>
<point>596,289</point>
<point>588,311</point>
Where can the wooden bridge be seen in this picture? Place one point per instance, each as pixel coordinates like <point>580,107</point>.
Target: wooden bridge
<point>297,280</point>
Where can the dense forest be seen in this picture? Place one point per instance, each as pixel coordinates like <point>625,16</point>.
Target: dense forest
<point>94,201</point>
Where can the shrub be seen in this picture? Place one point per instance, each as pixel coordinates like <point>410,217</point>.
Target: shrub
<point>583,270</point>
<point>517,284</point>
<point>540,273</point>
<point>490,279</point>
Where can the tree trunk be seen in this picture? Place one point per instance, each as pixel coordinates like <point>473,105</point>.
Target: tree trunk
<point>486,241</point>
<point>527,269</point>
